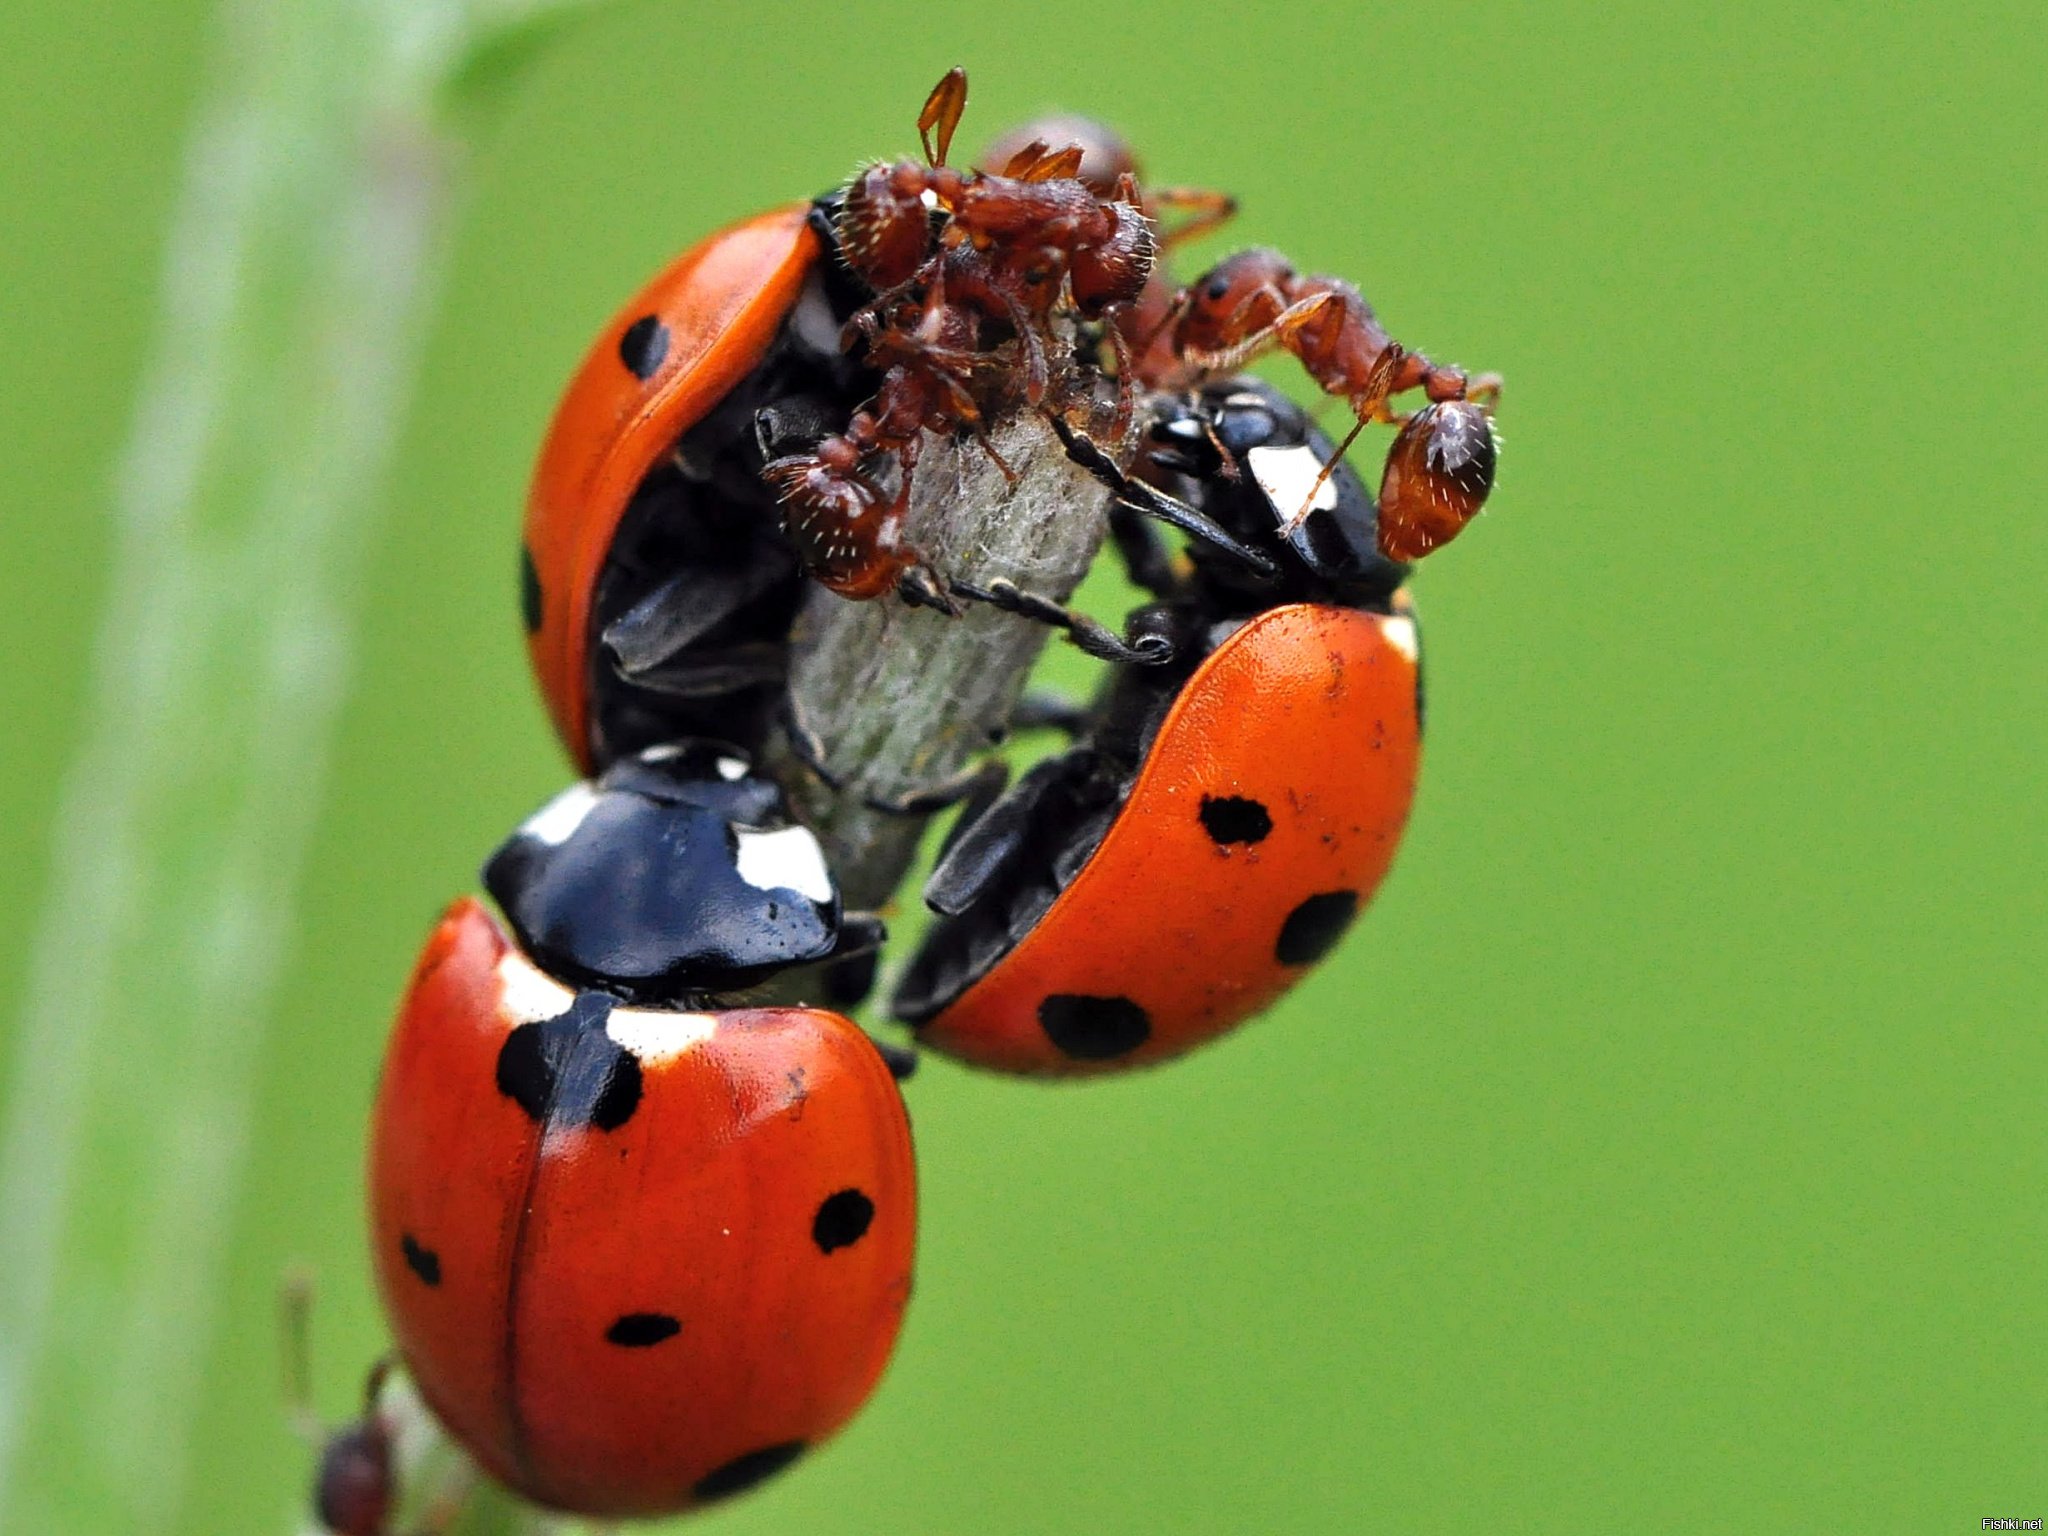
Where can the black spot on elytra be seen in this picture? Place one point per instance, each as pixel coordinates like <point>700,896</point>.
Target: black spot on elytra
<point>568,1071</point>
<point>1094,1028</point>
<point>644,346</point>
<point>743,1472</point>
<point>1234,819</point>
<point>641,1330</point>
<point>842,1220</point>
<point>420,1259</point>
<point>1313,928</point>
<point>529,591</point>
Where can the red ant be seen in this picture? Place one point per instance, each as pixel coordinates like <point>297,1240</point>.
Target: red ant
<point>1108,168</point>
<point>947,250</point>
<point>1442,462</point>
<point>1010,241</point>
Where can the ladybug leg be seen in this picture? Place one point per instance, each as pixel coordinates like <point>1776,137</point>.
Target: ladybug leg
<point>901,1060</point>
<point>1092,636</point>
<point>1041,711</point>
<point>1140,497</point>
<point>860,933</point>
<point>1146,558</point>
<point>806,745</point>
<point>920,587</point>
<point>978,781</point>
<point>681,611</point>
<point>707,674</point>
<point>982,845</point>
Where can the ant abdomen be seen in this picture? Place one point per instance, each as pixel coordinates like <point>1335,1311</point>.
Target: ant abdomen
<point>1439,471</point>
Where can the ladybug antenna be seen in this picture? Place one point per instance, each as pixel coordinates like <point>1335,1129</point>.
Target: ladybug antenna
<point>942,110</point>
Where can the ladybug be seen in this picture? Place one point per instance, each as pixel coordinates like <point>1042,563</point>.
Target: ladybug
<point>657,585</point>
<point>1220,821</point>
<point>641,1245</point>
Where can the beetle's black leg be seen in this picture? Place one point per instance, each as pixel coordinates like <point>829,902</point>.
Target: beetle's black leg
<point>860,933</point>
<point>1042,711</point>
<point>648,637</point>
<point>901,1060</point>
<point>980,848</point>
<point>1140,497</point>
<point>920,588</point>
<point>806,744</point>
<point>1091,635</point>
<point>1144,554</point>
<point>707,674</point>
<point>977,780</point>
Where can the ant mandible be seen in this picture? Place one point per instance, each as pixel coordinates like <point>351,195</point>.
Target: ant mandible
<point>1443,459</point>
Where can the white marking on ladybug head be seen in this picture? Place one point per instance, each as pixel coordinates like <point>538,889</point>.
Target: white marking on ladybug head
<point>1285,475</point>
<point>557,821</point>
<point>656,1034</point>
<point>812,320</point>
<point>789,859</point>
<point>527,994</point>
<point>731,768</point>
<point>1402,635</point>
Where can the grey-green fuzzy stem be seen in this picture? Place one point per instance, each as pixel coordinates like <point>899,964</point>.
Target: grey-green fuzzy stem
<point>903,698</point>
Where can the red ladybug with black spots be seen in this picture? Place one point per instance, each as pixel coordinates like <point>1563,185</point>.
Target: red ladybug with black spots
<point>1219,821</point>
<point>656,582</point>
<point>641,1244</point>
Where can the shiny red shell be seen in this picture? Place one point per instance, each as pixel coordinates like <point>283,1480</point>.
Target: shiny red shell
<point>1263,818</point>
<point>678,347</point>
<point>628,1314</point>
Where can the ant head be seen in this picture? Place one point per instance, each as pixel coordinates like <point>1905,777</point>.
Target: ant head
<point>885,224</point>
<point>1233,301</point>
<point>1104,155</point>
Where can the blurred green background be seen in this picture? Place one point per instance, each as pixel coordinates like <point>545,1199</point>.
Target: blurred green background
<point>1667,1148</point>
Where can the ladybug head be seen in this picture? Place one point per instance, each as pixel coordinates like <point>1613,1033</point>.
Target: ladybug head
<point>678,873</point>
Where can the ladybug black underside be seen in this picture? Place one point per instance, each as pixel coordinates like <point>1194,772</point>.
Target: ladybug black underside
<point>676,876</point>
<point>1003,867</point>
<point>694,605</point>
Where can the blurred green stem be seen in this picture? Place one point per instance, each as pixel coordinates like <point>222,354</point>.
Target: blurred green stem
<point>304,254</point>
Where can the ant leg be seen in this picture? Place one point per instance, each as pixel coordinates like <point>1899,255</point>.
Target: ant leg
<point>1368,404</point>
<point>1308,502</point>
<point>981,437</point>
<point>1207,211</point>
<point>1091,635</point>
<point>942,110</point>
<point>1140,497</point>
<point>1274,333</point>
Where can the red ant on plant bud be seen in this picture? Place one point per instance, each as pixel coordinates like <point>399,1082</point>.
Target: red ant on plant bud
<point>947,251</point>
<point>1442,462</point>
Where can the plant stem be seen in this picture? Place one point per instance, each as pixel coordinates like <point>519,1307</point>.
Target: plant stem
<point>300,270</point>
